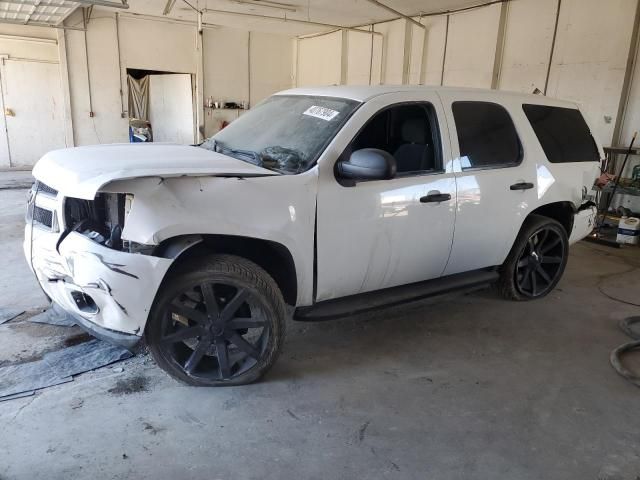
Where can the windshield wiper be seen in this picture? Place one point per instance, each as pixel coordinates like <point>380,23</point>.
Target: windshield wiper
<point>254,158</point>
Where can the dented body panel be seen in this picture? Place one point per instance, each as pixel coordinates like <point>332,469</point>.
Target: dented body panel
<point>82,171</point>
<point>122,285</point>
<point>163,209</point>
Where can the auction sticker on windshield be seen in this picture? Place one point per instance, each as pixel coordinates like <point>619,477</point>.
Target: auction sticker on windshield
<point>321,112</point>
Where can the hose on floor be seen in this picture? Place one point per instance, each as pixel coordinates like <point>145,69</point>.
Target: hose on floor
<point>614,358</point>
<point>611,297</point>
<point>600,288</point>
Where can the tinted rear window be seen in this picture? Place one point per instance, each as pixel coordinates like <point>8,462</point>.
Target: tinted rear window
<point>563,134</point>
<point>486,135</point>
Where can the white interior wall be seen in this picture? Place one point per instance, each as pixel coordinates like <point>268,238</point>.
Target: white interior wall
<point>226,64</point>
<point>471,47</point>
<point>433,49</point>
<point>28,49</point>
<point>359,53</point>
<point>416,53</point>
<point>376,60</point>
<point>590,59</point>
<point>588,67</point>
<point>527,45</point>
<point>632,113</point>
<point>271,65</point>
<point>319,60</point>
<point>226,73</point>
<point>393,43</point>
<point>255,67</point>
<point>170,47</point>
<point>156,45</point>
<point>106,125</point>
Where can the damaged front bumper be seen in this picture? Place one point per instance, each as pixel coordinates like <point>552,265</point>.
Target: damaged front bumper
<point>108,292</point>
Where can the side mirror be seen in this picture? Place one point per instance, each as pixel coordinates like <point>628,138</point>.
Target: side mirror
<point>367,164</point>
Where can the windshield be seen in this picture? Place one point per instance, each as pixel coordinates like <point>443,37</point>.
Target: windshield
<point>286,133</point>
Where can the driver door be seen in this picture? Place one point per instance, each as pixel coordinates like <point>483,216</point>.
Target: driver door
<point>383,233</point>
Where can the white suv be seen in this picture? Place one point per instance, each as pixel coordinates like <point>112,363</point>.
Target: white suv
<point>330,200</point>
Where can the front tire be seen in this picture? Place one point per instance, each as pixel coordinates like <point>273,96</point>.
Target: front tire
<point>537,260</point>
<point>217,321</point>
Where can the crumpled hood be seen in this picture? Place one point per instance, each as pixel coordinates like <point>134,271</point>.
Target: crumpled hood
<point>82,171</point>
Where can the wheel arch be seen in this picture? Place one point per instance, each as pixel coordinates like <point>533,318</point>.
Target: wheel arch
<point>562,212</point>
<point>273,257</point>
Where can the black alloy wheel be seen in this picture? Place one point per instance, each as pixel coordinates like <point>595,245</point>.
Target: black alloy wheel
<point>540,262</point>
<point>536,261</point>
<point>218,325</point>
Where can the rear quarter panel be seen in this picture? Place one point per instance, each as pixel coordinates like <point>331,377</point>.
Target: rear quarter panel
<point>561,182</point>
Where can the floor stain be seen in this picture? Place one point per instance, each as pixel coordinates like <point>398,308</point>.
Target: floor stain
<point>131,385</point>
<point>151,429</point>
<point>77,339</point>
<point>363,430</point>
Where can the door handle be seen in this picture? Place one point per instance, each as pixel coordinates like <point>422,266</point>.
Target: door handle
<point>521,186</point>
<point>435,197</point>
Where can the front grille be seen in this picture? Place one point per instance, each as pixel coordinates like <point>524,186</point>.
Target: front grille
<point>40,217</point>
<point>46,189</point>
<point>43,216</point>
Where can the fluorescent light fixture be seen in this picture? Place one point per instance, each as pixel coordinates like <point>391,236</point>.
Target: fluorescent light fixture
<point>267,4</point>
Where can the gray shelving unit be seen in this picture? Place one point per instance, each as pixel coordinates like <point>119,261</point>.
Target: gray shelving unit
<point>607,224</point>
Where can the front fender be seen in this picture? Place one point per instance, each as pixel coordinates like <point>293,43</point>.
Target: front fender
<point>279,209</point>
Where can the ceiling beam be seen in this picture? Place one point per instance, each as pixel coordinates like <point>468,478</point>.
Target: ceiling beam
<point>396,12</point>
<point>168,7</point>
<point>104,3</point>
<point>38,24</point>
<point>29,3</point>
<point>22,38</point>
<point>284,19</point>
<point>178,21</point>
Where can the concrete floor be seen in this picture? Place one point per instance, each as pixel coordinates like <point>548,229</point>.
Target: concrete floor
<point>474,387</point>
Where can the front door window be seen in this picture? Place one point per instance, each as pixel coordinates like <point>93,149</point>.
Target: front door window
<point>409,132</point>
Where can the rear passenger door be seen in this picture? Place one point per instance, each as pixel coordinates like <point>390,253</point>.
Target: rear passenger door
<point>495,177</point>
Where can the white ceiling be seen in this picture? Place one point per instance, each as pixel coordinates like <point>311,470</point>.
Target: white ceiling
<point>30,12</point>
<point>246,14</point>
<point>335,12</point>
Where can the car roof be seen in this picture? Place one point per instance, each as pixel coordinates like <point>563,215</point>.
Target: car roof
<point>363,93</point>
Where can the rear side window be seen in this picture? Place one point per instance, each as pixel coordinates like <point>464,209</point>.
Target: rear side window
<point>563,134</point>
<point>486,135</point>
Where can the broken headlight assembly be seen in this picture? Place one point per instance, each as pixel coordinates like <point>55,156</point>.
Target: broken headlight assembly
<point>102,220</point>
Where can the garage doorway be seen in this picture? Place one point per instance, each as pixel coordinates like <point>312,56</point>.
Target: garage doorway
<point>165,101</point>
<point>33,113</point>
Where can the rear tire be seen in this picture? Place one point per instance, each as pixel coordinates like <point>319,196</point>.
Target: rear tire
<point>536,261</point>
<point>217,321</point>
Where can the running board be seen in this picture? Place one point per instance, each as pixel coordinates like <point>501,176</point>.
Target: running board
<point>389,297</point>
